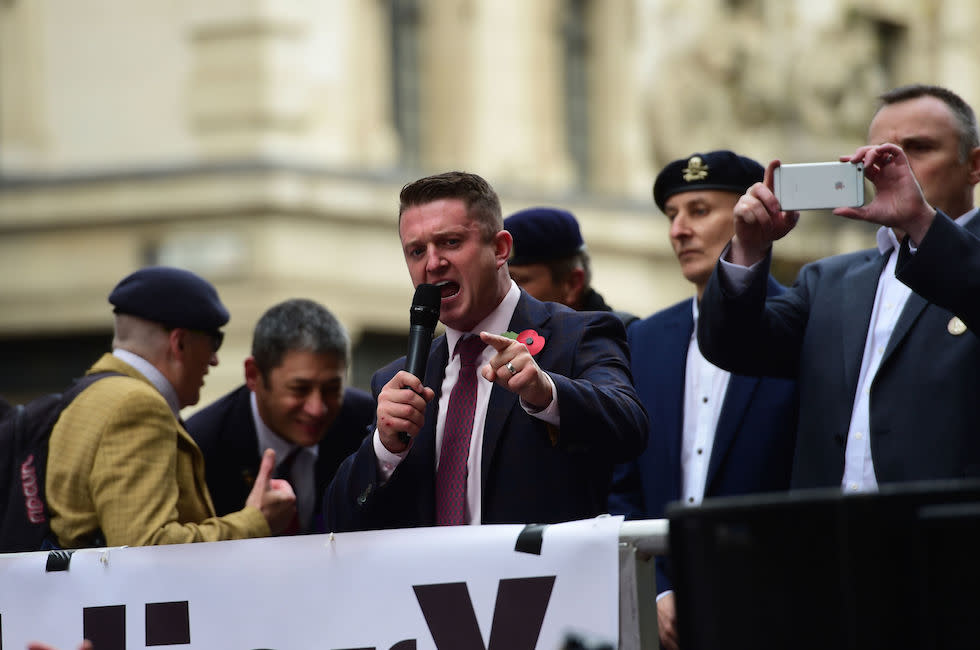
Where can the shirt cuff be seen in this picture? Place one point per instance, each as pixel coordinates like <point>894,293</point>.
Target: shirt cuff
<point>736,277</point>
<point>387,461</point>
<point>550,413</point>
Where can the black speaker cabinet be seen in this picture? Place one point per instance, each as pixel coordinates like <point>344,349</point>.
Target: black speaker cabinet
<point>817,569</point>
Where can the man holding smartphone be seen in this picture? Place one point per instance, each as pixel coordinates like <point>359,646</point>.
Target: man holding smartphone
<point>887,375</point>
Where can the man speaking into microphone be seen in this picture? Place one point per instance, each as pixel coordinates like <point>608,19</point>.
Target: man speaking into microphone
<point>523,407</point>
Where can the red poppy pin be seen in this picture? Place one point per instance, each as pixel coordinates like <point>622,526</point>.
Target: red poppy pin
<point>530,338</point>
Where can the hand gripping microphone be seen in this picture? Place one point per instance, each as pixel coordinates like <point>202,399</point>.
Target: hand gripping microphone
<point>424,315</point>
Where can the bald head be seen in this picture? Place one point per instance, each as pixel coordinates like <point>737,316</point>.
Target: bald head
<point>140,336</point>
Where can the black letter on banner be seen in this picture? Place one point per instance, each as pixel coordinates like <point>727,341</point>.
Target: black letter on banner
<point>517,619</point>
<point>168,623</point>
<point>105,627</point>
<point>519,612</point>
<point>449,614</point>
<point>407,644</point>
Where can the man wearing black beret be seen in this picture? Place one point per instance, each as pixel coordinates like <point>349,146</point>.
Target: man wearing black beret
<point>550,260</point>
<point>711,433</point>
<point>122,470</point>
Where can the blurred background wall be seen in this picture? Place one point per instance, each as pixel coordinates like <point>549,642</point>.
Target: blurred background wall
<point>262,143</point>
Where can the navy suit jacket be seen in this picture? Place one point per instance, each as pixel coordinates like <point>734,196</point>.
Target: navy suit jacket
<point>753,442</point>
<point>225,432</point>
<point>925,415</point>
<point>531,471</point>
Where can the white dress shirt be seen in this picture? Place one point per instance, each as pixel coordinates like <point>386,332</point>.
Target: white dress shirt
<point>705,385</point>
<point>496,323</point>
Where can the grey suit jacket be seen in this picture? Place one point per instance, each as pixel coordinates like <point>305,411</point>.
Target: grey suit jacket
<point>925,415</point>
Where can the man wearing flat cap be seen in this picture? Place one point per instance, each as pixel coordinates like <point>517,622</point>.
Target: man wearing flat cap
<point>711,433</point>
<point>550,261</point>
<point>122,470</point>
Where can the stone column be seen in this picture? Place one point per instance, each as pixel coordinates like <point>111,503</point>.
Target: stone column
<point>620,163</point>
<point>23,132</point>
<point>290,79</point>
<point>492,90</point>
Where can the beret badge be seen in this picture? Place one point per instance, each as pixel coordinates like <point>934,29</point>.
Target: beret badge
<point>696,170</point>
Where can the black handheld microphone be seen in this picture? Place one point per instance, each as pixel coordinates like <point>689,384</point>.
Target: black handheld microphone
<point>424,316</point>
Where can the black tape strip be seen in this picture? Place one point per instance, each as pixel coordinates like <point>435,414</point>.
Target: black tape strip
<point>58,560</point>
<point>531,539</point>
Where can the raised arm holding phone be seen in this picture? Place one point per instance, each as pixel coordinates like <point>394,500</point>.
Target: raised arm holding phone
<point>856,337</point>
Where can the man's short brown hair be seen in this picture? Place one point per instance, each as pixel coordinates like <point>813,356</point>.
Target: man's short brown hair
<point>482,202</point>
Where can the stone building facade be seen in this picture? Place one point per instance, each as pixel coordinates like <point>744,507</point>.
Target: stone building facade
<point>262,143</point>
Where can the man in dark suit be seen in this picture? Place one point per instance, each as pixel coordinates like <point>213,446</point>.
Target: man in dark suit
<point>888,378</point>
<point>500,430</point>
<point>295,401</point>
<point>711,433</point>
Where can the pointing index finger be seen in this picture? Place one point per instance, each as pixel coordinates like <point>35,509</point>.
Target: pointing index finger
<point>499,343</point>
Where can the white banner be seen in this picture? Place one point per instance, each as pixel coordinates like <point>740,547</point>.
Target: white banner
<point>457,588</point>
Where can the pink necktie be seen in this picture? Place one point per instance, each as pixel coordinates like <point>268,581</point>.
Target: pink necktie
<point>452,472</point>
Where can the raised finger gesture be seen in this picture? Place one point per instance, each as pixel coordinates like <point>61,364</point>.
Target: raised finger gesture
<point>515,369</point>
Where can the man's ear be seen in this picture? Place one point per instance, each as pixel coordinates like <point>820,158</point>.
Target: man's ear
<point>175,339</point>
<point>975,166</point>
<point>252,374</point>
<point>574,287</point>
<point>503,242</point>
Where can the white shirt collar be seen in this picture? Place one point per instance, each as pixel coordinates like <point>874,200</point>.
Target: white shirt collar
<point>152,375</point>
<point>496,322</point>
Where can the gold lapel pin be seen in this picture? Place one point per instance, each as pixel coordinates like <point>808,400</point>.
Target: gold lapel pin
<point>956,326</point>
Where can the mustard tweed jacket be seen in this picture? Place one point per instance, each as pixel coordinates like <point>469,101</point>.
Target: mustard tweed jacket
<point>120,462</point>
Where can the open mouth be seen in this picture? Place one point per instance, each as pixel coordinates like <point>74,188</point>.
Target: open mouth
<point>448,288</point>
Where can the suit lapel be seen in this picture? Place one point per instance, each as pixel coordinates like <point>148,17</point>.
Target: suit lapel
<point>242,439</point>
<point>737,398</point>
<point>185,440</point>
<point>910,313</point>
<point>673,348</point>
<point>503,402</point>
<point>914,307</point>
<point>860,286</point>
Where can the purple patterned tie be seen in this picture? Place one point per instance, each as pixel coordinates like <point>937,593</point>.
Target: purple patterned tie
<point>452,472</point>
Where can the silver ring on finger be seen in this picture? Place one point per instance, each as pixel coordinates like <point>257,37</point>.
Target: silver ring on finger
<point>511,367</point>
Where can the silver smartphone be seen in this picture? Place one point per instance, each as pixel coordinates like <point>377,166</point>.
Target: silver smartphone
<point>819,186</point>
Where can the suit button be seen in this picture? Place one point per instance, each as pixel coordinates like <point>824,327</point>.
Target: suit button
<point>362,499</point>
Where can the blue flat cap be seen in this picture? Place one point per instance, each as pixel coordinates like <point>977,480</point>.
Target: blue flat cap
<point>715,170</point>
<point>542,235</point>
<point>170,296</point>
